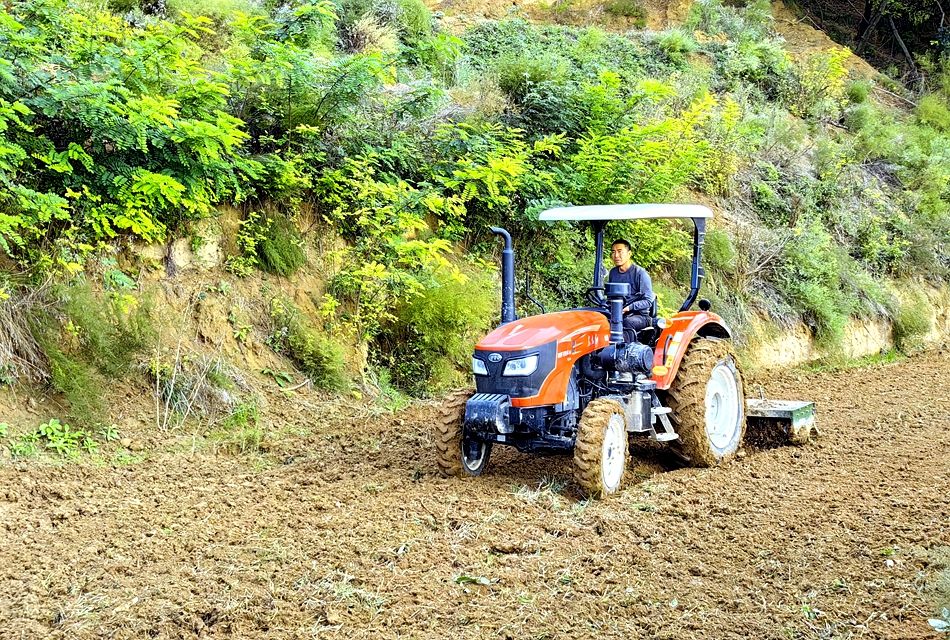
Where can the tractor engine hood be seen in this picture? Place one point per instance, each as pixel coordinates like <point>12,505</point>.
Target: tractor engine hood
<point>551,343</point>
<point>563,326</point>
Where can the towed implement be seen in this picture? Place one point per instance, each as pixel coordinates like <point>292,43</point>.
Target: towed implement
<point>575,381</point>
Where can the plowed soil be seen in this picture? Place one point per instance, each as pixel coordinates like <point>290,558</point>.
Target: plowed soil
<point>345,530</point>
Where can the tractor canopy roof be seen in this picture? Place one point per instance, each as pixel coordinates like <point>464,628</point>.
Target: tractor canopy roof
<point>626,212</point>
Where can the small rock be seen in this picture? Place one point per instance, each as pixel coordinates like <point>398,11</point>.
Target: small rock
<point>126,442</point>
<point>136,446</point>
<point>888,563</point>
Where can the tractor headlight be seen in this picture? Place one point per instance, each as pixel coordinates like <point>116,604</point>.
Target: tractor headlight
<point>478,367</point>
<point>521,366</point>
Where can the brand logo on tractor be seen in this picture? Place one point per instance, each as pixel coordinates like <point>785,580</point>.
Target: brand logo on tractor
<point>494,357</point>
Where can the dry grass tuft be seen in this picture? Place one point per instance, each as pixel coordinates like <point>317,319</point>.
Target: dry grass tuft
<point>21,356</point>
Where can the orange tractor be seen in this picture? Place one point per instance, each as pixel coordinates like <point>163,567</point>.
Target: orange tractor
<point>572,381</point>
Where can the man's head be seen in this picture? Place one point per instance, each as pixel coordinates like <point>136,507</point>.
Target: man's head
<point>620,252</point>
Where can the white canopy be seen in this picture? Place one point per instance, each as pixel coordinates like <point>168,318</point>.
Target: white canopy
<point>627,212</point>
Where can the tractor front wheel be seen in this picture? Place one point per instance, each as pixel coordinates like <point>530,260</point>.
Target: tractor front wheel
<point>456,453</point>
<point>600,451</point>
<point>707,403</point>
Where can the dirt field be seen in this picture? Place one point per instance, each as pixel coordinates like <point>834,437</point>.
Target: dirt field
<point>344,530</point>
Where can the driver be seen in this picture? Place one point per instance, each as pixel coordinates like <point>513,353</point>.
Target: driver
<point>639,304</point>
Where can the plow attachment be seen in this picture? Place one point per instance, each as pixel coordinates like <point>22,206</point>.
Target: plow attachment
<point>774,423</point>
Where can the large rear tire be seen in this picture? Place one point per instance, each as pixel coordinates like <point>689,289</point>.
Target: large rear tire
<point>708,404</point>
<point>456,454</point>
<point>601,450</point>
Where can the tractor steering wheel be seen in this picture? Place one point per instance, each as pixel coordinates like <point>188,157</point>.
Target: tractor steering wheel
<point>599,301</point>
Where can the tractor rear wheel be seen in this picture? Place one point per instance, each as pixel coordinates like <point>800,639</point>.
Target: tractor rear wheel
<point>707,403</point>
<point>600,451</point>
<point>456,453</point>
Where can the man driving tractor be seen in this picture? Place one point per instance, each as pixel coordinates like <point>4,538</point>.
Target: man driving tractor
<point>638,306</point>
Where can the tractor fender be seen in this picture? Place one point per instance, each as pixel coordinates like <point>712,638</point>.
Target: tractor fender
<point>683,328</point>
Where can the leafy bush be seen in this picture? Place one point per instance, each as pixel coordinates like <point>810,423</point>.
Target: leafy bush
<point>739,21</point>
<point>81,383</point>
<point>119,130</point>
<point>718,251</point>
<point>111,333</point>
<point>858,91</point>
<point>367,35</point>
<point>641,163</point>
<point>519,74</point>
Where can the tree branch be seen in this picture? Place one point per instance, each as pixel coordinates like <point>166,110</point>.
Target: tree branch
<point>900,42</point>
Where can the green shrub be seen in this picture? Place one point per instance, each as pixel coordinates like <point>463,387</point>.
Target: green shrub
<point>519,74</point>
<point>718,251</point>
<point>270,242</point>
<point>415,21</point>
<point>812,279</point>
<point>912,322</point>
<point>668,298</point>
<point>112,329</point>
<point>859,117</point>
<point>91,339</point>
<point>739,21</point>
<point>858,91</point>
<point>431,338</point>
<point>410,19</point>
<point>81,383</point>
<point>319,356</point>
<point>677,44</point>
<point>818,88</point>
<point>280,249</point>
<point>218,10</point>
<point>932,111</point>
<point>627,9</point>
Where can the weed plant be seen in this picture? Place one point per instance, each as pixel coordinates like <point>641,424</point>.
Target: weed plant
<point>241,430</point>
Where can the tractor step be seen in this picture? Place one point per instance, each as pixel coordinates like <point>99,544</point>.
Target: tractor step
<point>773,423</point>
<point>659,411</point>
<point>666,437</point>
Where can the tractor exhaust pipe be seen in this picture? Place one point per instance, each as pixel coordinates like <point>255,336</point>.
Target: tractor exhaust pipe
<point>507,277</point>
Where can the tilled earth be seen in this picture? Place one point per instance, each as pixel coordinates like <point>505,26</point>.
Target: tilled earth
<point>345,530</point>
